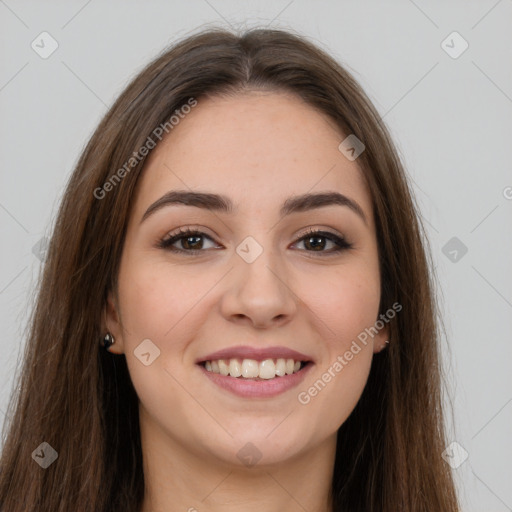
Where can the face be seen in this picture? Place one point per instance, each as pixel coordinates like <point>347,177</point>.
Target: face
<point>252,280</point>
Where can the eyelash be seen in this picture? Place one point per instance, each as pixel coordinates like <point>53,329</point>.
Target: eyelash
<point>342,243</point>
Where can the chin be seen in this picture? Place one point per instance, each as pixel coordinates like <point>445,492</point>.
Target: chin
<point>256,447</point>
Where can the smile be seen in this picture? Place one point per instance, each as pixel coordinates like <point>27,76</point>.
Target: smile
<point>253,369</point>
<point>249,378</point>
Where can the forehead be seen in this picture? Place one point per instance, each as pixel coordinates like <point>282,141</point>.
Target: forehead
<point>258,147</point>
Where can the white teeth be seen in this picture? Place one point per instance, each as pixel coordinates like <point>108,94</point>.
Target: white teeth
<point>268,369</point>
<point>251,369</point>
<point>281,367</point>
<point>223,367</point>
<point>235,368</point>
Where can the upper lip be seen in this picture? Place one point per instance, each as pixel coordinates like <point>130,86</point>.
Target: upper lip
<point>258,354</point>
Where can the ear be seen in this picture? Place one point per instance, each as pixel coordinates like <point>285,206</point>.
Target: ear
<point>381,339</point>
<point>111,323</point>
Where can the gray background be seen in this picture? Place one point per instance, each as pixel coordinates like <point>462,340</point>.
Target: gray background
<point>450,117</point>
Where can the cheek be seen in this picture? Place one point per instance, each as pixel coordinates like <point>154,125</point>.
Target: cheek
<point>343,306</point>
<point>331,396</point>
<point>343,302</point>
<point>160,303</point>
<point>158,299</point>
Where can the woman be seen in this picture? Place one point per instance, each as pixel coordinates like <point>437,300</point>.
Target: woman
<point>240,235</point>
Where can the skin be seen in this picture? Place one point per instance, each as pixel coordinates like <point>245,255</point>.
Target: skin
<point>258,148</point>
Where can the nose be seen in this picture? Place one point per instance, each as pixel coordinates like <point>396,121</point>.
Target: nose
<point>258,294</point>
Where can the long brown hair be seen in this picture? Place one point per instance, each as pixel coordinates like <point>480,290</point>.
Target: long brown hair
<point>80,399</point>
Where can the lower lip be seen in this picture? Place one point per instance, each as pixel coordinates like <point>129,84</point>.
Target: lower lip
<point>264,388</point>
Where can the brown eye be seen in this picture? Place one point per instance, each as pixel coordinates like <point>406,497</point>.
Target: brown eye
<point>317,241</point>
<point>191,241</point>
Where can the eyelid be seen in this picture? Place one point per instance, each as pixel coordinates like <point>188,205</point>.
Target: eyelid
<point>315,229</point>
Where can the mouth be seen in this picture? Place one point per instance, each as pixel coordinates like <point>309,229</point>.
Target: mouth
<point>253,379</point>
<point>254,370</point>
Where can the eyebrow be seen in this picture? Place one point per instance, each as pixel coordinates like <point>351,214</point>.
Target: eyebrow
<point>223,204</point>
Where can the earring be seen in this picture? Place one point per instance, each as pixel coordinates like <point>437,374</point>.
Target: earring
<point>382,347</point>
<point>108,341</point>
